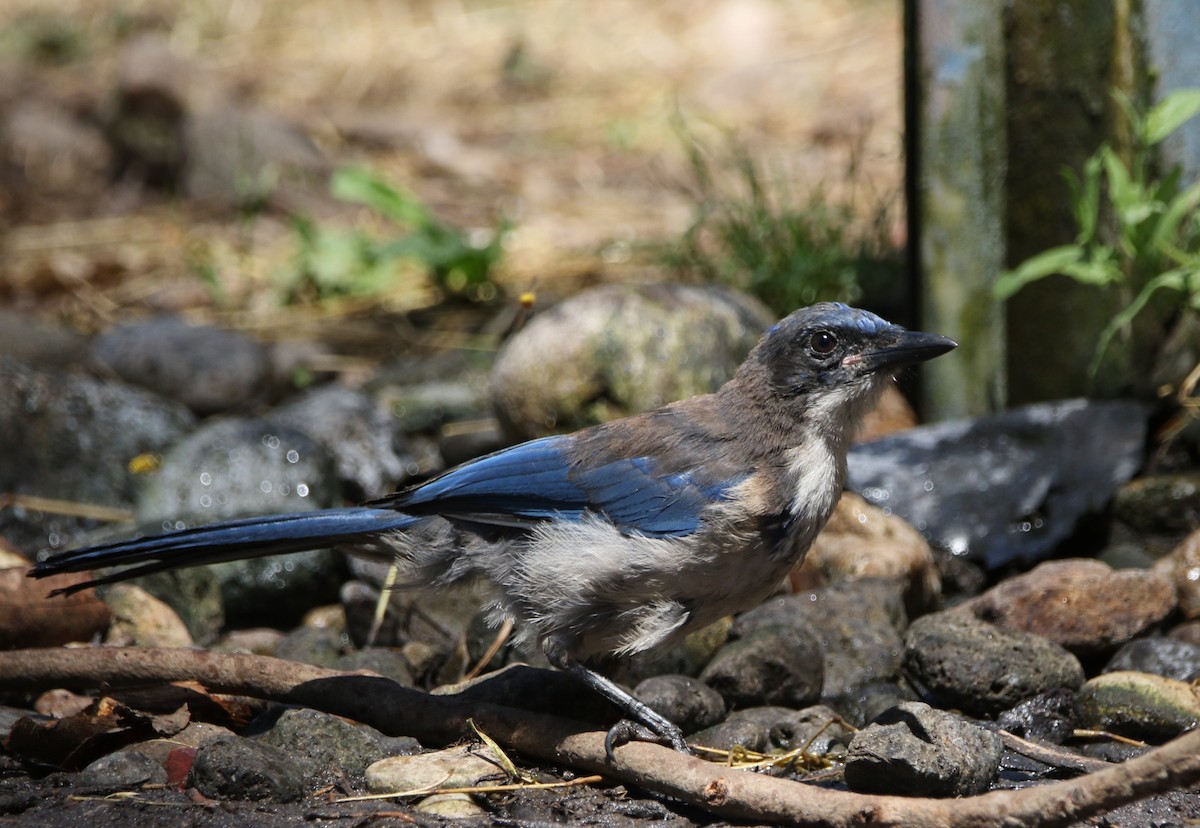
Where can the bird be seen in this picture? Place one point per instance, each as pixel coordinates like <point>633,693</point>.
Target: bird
<point>620,537</point>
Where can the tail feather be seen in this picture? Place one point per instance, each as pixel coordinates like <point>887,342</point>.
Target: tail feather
<point>229,541</point>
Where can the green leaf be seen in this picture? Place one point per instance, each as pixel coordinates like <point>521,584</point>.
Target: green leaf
<point>1172,112</point>
<point>361,186</point>
<point>1172,279</point>
<point>1181,208</point>
<point>1044,264</point>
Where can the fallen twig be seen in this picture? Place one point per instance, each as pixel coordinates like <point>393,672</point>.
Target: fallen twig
<point>729,793</point>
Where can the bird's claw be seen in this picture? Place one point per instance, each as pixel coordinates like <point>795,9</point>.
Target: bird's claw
<point>630,731</point>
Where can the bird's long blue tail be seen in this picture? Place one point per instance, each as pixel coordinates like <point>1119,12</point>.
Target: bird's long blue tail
<point>229,541</point>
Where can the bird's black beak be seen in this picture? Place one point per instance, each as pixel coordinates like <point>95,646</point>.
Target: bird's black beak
<point>912,346</point>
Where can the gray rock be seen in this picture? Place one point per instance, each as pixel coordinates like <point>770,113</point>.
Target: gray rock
<point>231,767</point>
<point>320,646</point>
<point>683,700</point>
<point>817,730</point>
<point>207,369</point>
<point>429,404</point>
<point>686,657</point>
<point>72,438</point>
<point>1139,705</point>
<point>616,350</point>
<point>857,626</point>
<point>1160,503</point>
<point>328,747</point>
<point>382,660</point>
<point>1007,488</point>
<point>866,702</point>
<point>1169,657</point>
<point>456,767</point>
<point>915,750</point>
<point>235,467</point>
<point>367,445</point>
<point>122,770</point>
<point>771,665</point>
<point>749,728</point>
<point>968,664</point>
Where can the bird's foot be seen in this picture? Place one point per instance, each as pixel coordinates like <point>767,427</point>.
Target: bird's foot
<point>627,730</point>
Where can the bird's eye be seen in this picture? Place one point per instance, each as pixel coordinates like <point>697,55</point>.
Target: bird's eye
<point>822,343</point>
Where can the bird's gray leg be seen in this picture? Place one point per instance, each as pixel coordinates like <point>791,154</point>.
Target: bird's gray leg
<point>643,724</point>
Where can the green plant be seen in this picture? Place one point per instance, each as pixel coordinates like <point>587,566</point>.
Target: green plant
<point>1137,233</point>
<point>332,262</point>
<point>750,231</point>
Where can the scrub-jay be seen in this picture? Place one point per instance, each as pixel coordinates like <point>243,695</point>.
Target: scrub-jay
<point>622,536</point>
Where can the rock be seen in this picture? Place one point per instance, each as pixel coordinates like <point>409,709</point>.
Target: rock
<point>1082,604</point>
<point>141,620</point>
<point>122,770</point>
<point>235,467</point>
<point>915,750</point>
<point>863,541</point>
<point>194,594</point>
<point>856,625</point>
<point>1139,705</point>
<point>429,404</point>
<point>39,343</point>
<point>968,664</point>
<point>231,767</point>
<point>382,660</point>
<point>620,349</point>
<point>1007,488</point>
<point>72,438</point>
<point>1169,657</point>
<point>682,700</point>
<point>328,747</point>
<point>320,646</point>
<point>774,665</point>
<point>257,640</point>
<point>207,369</point>
<point>450,806</point>
<point>1160,503</point>
<point>367,445</point>
<point>1182,566</point>
<point>734,732</point>
<point>818,730</point>
<point>1049,717</point>
<point>457,767</point>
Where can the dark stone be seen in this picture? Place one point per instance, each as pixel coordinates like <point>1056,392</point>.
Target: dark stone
<point>683,700</point>
<point>915,750</point>
<point>72,438</point>
<point>1049,717</point>
<point>230,767</point>
<point>1170,657</point>
<point>818,730</point>
<point>1007,488</point>
<point>121,771</point>
<point>968,664</point>
<point>207,369</point>
<point>868,701</point>
<point>328,747</point>
<point>771,665</point>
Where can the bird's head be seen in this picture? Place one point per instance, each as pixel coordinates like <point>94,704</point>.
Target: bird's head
<point>837,353</point>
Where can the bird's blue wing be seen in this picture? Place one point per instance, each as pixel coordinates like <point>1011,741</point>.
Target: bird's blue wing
<point>540,480</point>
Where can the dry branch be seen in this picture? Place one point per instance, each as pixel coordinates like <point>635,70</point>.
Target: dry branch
<point>729,793</point>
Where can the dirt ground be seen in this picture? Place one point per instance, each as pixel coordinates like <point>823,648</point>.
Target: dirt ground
<point>556,116</point>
